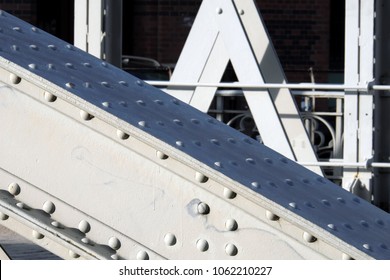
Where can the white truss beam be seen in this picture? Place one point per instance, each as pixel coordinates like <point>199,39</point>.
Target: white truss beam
<point>233,30</point>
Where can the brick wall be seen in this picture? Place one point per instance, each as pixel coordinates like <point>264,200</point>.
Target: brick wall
<point>24,9</point>
<point>299,30</point>
<point>158,29</point>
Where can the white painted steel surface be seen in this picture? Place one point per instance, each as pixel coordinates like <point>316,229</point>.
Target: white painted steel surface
<point>95,163</point>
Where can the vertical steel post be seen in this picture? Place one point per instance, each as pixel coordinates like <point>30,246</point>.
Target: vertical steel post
<point>81,24</point>
<point>113,31</point>
<point>358,115</point>
<point>382,104</point>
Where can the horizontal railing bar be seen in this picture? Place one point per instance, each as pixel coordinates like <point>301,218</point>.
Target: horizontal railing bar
<point>273,86</point>
<point>347,164</point>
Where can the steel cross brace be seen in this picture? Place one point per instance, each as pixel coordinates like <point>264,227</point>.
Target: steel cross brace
<point>92,155</point>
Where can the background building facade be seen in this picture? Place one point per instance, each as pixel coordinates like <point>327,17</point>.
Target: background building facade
<point>308,35</point>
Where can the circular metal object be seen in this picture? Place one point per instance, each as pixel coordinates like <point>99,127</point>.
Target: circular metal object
<point>271,216</point>
<point>346,257</point>
<point>84,226</point>
<point>49,97</point>
<point>142,255</point>
<point>114,243</point>
<point>309,237</point>
<point>85,115</point>
<point>56,224</point>
<point>3,216</point>
<point>73,255</point>
<point>231,249</point>
<point>201,178</point>
<point>228,193</point>
<point>49,207</point>
<point>202,245</point>
<point>21,205</point>
<point>86,240</point>
<point>170,239</point>
<point>203,208</point>
<point>161,155</point>
<point>122,135</point>
<point>14,79</point>
<point>14,189</point>
<point>37,235</point>
<point>231,224</point>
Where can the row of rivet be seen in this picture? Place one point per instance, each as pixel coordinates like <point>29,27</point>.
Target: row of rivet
<point>199,177</point>
<point>169,239</point>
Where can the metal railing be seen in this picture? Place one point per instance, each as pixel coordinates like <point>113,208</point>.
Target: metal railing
<point>317,121</point>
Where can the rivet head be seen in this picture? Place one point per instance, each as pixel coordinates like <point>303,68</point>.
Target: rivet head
<point>142,255</point>
<point>142,124</point>
<point>49,97</point>
<point>201,178</point>
<point>3,216</point>
<point>231,225</point>
<point>242,12</point>
<point>114,243</point>
<point>33,66</point>
<point>85,115</point>
<point>106,104</point>
<point>271,216</point>
<point>56,224</point>
<point>161,155</point>
<point>293,205</point>
<point>219,11</point>
<point>345,256</point>
<point>231,249</point>
<point>15,48</point>
<point>170,239</point>
<point>73,255</point>
<point>180,143</point>
<point>70,85</point>
<point>203,208</point>
<point>14,189</point>
<point>229,194</point>
<point>84,226</point>
<point>49,207</point>
<point>52,47</point>
<point>332,226</point>
<point>140,83</point>
<point>122,135</point>
<point>86,240</point>
<point>105,84</point>
<point>14,79</point>
<point>309,237</point>
<point>255,185</point>
<point>21,205</point>
<point>123,83</point>
<point>202,245</point>
<point>367,246</point>
<point>37,235</point>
